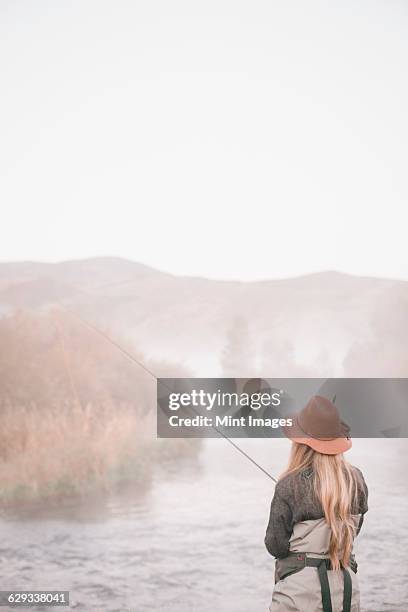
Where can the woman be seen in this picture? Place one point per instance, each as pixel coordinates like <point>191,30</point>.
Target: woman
<point>316,512</point>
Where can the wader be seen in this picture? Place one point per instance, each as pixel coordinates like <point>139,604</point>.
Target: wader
<point>305,582</point>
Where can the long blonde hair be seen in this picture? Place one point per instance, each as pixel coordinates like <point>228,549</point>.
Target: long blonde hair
<point>335,485</point>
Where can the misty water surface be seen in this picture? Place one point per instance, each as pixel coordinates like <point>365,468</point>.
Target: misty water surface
<point>192,540</point>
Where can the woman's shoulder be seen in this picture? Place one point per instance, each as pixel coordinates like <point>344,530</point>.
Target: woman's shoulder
<point>297,484</point>
<point>358,474</point>
<point>362,489</point>
<point>290,483</point>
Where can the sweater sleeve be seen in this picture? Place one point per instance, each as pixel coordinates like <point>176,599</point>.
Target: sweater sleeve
<point>279,528</point>
<point>362,492</point>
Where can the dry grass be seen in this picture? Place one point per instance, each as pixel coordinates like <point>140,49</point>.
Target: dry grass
<point>61,452</point>
<point>75,416</point>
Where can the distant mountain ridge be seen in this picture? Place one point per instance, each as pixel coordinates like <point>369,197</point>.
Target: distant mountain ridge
<point>324,324</point>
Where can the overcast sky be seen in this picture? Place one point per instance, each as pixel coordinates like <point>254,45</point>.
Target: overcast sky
<point>228,139</point>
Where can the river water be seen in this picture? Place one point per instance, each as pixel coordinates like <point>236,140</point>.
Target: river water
<point>192,540</point>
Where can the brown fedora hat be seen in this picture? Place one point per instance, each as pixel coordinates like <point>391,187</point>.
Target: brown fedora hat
<point>318,425</point>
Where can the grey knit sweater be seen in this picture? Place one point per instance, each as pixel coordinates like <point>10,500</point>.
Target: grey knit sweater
<point>294,500</point>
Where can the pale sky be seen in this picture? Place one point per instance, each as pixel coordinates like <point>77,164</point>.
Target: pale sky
<point>230,139</point>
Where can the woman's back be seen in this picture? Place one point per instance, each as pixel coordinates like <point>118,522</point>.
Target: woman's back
<point>316,512</point>
<point>300,536</point>
<point>295,501</point>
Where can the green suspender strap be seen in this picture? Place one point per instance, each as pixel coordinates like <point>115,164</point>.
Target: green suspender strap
<point>322,566</point>
<point>348,590</point>
<point>324,585</point>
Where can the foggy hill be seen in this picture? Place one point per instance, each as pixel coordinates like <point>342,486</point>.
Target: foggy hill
<point>326,324</point>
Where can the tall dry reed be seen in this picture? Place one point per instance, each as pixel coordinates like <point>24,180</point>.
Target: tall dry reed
<point>74,414</point>
<point>56,452</point>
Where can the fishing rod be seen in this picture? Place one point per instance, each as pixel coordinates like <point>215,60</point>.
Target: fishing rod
<point>136,361</point>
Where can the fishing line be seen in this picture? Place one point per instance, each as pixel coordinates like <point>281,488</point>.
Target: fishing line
<point>132,358</point>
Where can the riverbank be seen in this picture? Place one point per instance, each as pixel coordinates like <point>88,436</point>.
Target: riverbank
<point>58,453</point>
<point>76,418</point>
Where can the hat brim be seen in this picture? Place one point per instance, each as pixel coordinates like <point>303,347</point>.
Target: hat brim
<point>333,446</point>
